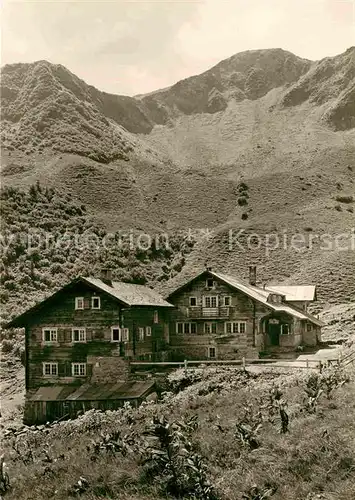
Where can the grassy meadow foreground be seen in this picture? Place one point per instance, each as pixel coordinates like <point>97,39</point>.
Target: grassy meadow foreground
<point>215,433</point>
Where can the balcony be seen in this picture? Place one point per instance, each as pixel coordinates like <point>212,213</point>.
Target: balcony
<point>208,312</point>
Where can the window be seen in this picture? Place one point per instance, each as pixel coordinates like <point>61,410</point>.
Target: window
<point>276,298</point>
<point>148,331</point>
<point>211,301</point>
<point>210,283</point>
<point>115,334</point>
<point>141,333</point>
<point>95,303</point>
<point>78,369</point>
<point>235,327</point>
<point>78,335</point>
<point>156,317</point>
<point>210,328</point>
<point>50,334</point>
<point>186,328</point>
<point>79,302</point>
<point>193,301</point>
<point>212,352</point>
<point>50,369</point>
<point>309,327</point>
<point>227,301</point>
<point>125,334</point>
<point>285,329</point>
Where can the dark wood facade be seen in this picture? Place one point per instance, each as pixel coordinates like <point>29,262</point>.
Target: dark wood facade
<point>222,322</point>
<point>144,329</point>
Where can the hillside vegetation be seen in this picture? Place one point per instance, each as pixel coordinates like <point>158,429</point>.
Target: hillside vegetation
<point>47,239</point>
<point>263,142</point>
<point>216,434</point>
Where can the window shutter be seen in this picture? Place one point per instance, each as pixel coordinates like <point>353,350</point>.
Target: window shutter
<point>86,303</point>
<point>60,335</point>
<point>61,369</point>
<point>67,369</point>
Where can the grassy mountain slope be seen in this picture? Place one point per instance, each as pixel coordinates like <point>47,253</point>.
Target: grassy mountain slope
<point>216,435</point>
<point>174,160</point>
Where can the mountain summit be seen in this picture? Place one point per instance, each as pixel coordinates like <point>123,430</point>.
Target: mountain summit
<point>45,105</point>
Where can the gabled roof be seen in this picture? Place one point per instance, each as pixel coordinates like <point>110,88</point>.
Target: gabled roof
<point>259,294</point>
<point>128,294</point>
<point>295,293</point>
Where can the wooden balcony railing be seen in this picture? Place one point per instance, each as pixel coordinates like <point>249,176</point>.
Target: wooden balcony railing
<point>208,312</point>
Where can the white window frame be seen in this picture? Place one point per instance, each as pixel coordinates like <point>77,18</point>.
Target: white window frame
<point>95,297</point>
<point>51,365</point>
<point>195,298</point>
<point>213,284</point>
<point>156,317</point>
<point>125,334</point>
<point>208,325</point>
<point>224,301</point>
<point>141,333</point>
<point>148,331</point>
<point>180,326</point>
<point>81,335</point>
<point>81,367</point>
<point>235,327</point>
<point>209,352</point>
<point>53,335</point>
<point>240,324</point>
<point>210,297</point>
<point>119,333</point>
<point>81,301</point>
<point>288,329</point>
<point>186,325</point>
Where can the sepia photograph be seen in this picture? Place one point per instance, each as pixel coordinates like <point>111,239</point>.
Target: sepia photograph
<point>177,250</point>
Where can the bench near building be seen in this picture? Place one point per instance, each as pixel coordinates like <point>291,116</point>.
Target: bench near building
<point>79,340</point>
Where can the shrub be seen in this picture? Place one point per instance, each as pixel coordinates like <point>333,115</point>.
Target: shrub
<point>172,460</point>
<point>180,379</point>
<point>243,187</point>
<point>345,199</point>
<point>242,201</point>
<point>8,345</point>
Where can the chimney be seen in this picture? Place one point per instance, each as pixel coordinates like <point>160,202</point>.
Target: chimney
<point>252,275</point>
<point>207,267</point>
<point>106,276</point>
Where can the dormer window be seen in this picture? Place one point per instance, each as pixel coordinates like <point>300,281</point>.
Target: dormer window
<point>95,303</point>
<point>275,298</point>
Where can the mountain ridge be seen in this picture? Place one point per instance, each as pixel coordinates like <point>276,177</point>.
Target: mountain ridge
<point>175,159</point>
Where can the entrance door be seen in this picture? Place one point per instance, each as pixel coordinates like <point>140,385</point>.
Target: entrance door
<point>274,334</point>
